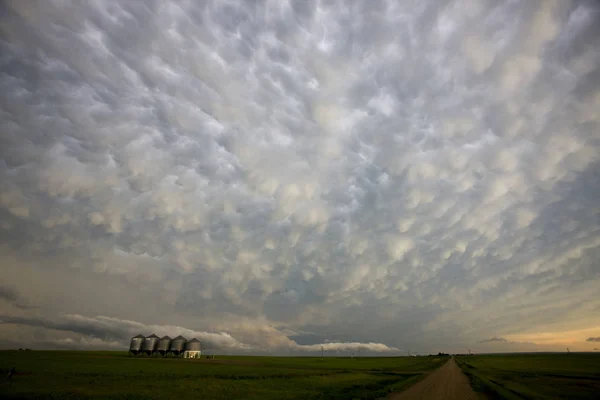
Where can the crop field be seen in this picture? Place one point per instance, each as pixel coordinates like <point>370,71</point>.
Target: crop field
<point>115,375</point>
<point>534,376</point>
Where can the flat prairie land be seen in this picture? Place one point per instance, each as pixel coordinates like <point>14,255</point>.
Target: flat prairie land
<point>116,375</point>
<point>534,376</point>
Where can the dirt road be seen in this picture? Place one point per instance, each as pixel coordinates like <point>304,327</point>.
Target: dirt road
<point>447,382</point>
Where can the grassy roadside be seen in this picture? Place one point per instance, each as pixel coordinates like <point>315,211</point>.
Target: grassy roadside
<point>114,375</point>
<point>481,384</point>
<point>534,376</point>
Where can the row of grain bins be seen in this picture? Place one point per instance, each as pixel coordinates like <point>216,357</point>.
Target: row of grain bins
<point>154,345</point>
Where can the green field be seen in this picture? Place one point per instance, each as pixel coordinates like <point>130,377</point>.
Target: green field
<point>535,376</point>
<point>76,375</point>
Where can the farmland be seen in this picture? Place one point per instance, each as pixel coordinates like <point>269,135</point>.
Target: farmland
<point>534,376</point>
<point>115,375</point>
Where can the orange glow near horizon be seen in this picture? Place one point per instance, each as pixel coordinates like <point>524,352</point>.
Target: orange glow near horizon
<point>573,337</point>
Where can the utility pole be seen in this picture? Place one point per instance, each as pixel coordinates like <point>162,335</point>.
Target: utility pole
<point>321,352</point>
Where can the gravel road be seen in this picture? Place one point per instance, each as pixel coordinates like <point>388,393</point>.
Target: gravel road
<point>447,382</point>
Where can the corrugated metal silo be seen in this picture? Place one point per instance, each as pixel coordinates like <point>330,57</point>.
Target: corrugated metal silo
<point>150,343</point>
<point>163,345</point>
<point>135,347</point>
<point>177,345</point>
<point>193,349</point>
<point>193,345</point>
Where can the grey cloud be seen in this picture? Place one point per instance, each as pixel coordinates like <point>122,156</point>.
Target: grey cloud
<point>493,339</point>
<point>348,169</point>
<point>66,324</point>
<point>62,344</point>
<point>116,330</point>
<point>107,332</point>
<point>593,339</point>
<point>10,295</point>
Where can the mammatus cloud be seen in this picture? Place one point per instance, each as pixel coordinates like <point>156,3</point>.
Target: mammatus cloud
<point>422,175</point>
<point>593,339</point>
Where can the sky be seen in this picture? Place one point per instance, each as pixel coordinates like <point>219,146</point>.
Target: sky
<point>373,177</point>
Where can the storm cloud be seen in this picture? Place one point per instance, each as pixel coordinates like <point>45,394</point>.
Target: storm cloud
<point>382,175</point>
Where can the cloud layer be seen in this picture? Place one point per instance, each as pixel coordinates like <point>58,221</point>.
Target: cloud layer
<point>107,332</point>
<point>494,339</point>
<point>365,172</point>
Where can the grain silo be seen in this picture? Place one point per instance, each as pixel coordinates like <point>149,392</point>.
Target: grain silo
<point>135,347</point>
<point>177,345</point>
<point>193,349</point>
<point>163,345</point>
<point>150,343</point>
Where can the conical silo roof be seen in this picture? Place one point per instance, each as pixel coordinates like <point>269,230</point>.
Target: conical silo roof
<point>193,345</point>
<point>177,345</point>
<point>150,343</point>
<point>163,344</point>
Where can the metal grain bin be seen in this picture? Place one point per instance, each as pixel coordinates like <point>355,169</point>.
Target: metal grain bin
<point>193,345</point>
<point>150,343</point>
<point>135,347</point>
<point>163,345</point>
<point>193,349</point>
<point>177,345</point>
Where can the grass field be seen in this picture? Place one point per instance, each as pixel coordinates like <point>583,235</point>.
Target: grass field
<point>115,375</point>
<point>535,376</point>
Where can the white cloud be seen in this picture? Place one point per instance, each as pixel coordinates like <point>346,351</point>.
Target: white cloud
<point>376,347</point>
<point>479,53</point>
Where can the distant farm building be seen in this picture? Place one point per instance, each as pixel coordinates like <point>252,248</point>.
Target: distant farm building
<point>193,349</point>
<point>164,346</point>
<point>135,347</point>
<point>177,345</point>
<point>150,344</point>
